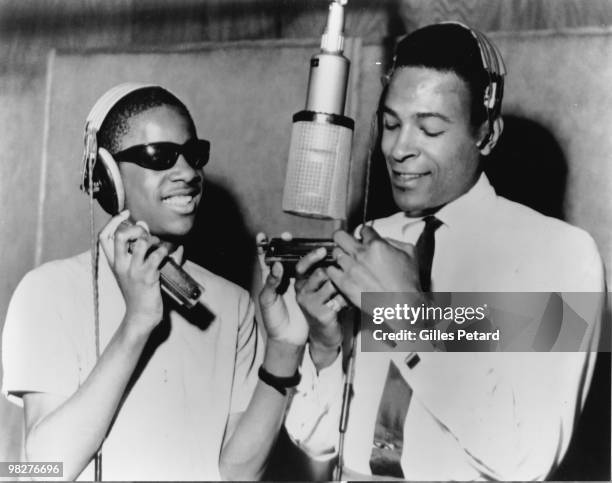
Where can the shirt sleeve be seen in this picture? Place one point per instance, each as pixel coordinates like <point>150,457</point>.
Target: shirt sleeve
<point>314,414</point>
<point>38,353</point>
<point>249,356</point>
<point>513,414</point>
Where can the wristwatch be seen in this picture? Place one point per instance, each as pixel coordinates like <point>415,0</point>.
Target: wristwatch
<point>281,384</point>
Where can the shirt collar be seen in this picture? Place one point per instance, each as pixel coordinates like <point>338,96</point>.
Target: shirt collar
<point>468,204</point>
<point>465,205</point>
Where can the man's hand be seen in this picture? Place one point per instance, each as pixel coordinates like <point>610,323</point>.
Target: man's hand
<point>279,326</point>
<point>135,257</point>
<point>320,302</point>
<point>372,265</point>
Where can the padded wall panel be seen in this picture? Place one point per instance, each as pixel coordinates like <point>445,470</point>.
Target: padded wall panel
<point>561,81</point>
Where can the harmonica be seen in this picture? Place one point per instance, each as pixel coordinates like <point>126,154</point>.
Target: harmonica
<point>289,252</point>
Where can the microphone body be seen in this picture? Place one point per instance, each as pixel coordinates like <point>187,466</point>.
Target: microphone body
<point>327,83</point>
<point>316,184</point>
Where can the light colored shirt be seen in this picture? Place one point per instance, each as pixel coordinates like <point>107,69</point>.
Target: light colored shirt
<point>471,415</point>
<point>171,425</point>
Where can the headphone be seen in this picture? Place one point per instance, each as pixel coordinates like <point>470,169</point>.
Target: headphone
<point>100,172</point>
<point>493,65</point>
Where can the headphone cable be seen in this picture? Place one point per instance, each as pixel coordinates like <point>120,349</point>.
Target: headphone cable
<point>95,290</point>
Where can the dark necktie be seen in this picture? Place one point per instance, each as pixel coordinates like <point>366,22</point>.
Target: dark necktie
<point>424,249</point>
<point>385,458</point>
<point>388,443</point>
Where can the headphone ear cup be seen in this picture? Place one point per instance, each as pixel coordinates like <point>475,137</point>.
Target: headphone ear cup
<point>490,140</point>
<point>106,175</point>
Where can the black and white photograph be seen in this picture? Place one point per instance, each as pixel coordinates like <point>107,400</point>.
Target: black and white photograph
<point>305,240</point>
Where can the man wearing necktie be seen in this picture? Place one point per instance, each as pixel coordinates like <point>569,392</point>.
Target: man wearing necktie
<point>441,415</point>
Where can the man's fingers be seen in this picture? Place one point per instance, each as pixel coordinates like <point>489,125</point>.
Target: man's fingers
<point>310,259</point>
<point>124,236</point>
<point>156,258</point>
<point>109,229</point>
<point>345,285</point>
<point>347,242</point>
<point>343,259</point>
<point>356,270</point>
<point>327,291</point>
<point>336,303</point>
<point>369,234</point>
<point>275,276</point>
<point>319,295</point>
<point>261,240</point>
<point>139,249</point>
<point>268,295</point>
<point>177,255</point>
<point>107,235</point>
<point>316,280</point>
<point>126,232</point>
<point>144,225</point>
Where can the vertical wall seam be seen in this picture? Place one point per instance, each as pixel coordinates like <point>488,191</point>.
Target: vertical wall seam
<point>44,161</point>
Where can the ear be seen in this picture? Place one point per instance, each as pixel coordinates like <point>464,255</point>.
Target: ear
<point>498,128</point>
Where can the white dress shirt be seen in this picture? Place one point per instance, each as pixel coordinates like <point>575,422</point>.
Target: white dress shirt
<point>471,415</point>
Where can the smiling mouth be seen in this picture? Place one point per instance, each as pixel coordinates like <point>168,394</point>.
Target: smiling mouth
<point>181,204</point>
<point>178,200</point>
<point>406,177</point>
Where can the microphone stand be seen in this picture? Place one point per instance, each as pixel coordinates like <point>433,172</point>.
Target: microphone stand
<point>98,466</point>
<point>347,392</point>
<point>347,395</point>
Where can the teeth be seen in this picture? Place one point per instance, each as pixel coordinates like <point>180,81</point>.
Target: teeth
<point>409,175</point>
<point>181,200</point>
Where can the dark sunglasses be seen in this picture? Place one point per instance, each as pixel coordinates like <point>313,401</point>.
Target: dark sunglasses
<point>163,155</point>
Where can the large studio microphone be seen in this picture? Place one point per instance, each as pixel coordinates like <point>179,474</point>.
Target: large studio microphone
<point>316,184</point>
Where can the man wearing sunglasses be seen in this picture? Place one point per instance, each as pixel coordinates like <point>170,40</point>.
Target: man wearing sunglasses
<point>174,393</point>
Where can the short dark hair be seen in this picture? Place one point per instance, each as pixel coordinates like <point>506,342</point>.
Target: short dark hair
<point>448,47</point>
<point>115,124</point>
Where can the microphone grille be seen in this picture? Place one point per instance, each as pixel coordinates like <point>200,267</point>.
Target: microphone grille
<point>316,184</point>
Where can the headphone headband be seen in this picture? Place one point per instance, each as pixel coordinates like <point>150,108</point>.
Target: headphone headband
<point>107,101</point>
<point>492,60</point>
<point>94,121</point>
<point>493,64</point>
